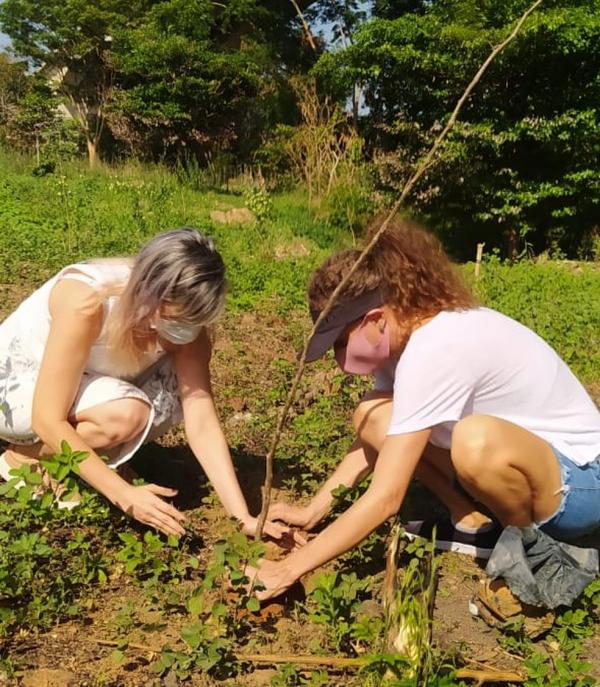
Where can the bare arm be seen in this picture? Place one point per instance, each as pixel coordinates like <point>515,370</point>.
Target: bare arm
<point>76,320</point>
<point>205,435</point>
<point>202,425</point>
<point>397,461</point>
<point>350,472</point>
<point>356,464</point>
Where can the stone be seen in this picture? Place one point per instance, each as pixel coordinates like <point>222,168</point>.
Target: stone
<point>234,216</point>
<point>46,677</point>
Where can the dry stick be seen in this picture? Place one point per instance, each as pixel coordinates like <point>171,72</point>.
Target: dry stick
<point>305,25</point>
<point>342,662</point>
<point>425,163</point>
<point>491,675</point>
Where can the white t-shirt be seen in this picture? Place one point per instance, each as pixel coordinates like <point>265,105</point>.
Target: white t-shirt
<point>479,361</point>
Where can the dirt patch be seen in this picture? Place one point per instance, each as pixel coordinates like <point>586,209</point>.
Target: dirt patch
<point>10,297</point>
<point>48,678</point>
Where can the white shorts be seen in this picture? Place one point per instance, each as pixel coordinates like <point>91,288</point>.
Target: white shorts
<point>156,386</point>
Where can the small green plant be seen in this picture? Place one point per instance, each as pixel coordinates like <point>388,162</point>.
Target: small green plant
<point>216,625</point>
<point>204,649</point>
<point>289,676</point>
<point>333,603</point>
<point>543,670</point>
<point>153,559</point>
<point>51,480</point>
<point>562,665</point>
<point>259,202</point>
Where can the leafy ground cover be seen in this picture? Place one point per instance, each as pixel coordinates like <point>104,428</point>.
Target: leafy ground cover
<point>108,603</point>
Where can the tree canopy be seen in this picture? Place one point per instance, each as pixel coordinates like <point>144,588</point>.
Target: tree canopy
<point>206,81</point>
<point>523,160</point>
<point>161,75</point>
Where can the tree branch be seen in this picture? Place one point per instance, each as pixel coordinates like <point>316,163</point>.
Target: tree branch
<point>490,674</point>
<point>305,26</point>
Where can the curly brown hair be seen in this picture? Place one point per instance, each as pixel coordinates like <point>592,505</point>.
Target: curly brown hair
<point>408,264</point>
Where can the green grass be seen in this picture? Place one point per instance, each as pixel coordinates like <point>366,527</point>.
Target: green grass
<point>74,214</point>
<point>47,222</point>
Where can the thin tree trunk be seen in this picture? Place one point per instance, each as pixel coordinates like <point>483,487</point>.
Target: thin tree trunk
<point>512,244</point>
<point>305,26</point>
<point>92,149</point>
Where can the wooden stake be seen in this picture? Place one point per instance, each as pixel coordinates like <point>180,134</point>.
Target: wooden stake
<point>478,257</point>
<point>422,167</point>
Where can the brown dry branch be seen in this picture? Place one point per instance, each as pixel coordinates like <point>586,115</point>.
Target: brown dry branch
<point>305,26</point>
<point>340,662</point>
<point>322,149</point>
<point>423,165</point>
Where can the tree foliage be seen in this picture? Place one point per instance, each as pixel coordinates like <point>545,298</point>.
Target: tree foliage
<point>522,164</point>
<point>197,78</point>
<point>213,82</point>
<point>28,117</point>
<point>162,74</point>
<point>70,42</point>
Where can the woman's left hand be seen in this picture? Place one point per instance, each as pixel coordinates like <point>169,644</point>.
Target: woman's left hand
<point>274,576</point>
<point>275,530</point>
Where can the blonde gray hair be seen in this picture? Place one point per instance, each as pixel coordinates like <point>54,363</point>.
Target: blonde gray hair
<point>181,267</point>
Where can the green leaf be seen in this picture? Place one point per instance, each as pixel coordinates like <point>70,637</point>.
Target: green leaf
<point>253,604</point>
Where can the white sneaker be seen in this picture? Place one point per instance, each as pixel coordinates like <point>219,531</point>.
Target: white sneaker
<point>5,469</point>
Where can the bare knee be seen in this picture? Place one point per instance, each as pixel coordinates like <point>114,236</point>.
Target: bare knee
<point>474,447</point>
<point>371,420</point>
<point>124,420</point>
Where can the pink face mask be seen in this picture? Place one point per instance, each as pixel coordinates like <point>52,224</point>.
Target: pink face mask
<point>360,356</point>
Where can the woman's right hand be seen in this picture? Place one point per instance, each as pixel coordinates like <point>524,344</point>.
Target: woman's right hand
<point>300,516</point>
<point>143,504</point>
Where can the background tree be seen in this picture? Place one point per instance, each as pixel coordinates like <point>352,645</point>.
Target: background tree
<point>521,167</point>
<point>28,108</point>
<point>70,40</point>
<point>13,85</point>
<point>202,78</point>
<point>168,74</point>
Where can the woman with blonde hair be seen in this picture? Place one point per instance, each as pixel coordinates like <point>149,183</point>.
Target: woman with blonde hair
<point>470,402</point>
<point>111,353</point>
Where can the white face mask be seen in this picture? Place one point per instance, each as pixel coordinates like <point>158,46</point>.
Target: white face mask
<point>177,332</point>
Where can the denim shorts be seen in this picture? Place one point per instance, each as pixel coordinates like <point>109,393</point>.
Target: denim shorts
<point>579,510</point>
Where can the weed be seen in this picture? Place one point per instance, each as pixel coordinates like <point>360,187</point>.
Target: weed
<point>259,202</point>
<point>561,666</point>
<point>333,603</point>
<point>208,640</point>
<point>289,676</point>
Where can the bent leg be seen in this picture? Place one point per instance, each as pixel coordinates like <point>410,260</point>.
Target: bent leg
<point>102,427</point>
<point>435,470</point>
<point>507,468</point>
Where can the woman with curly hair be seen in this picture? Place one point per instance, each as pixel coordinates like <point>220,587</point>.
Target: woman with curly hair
<point>470,402</point>
<point>111,353</point>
